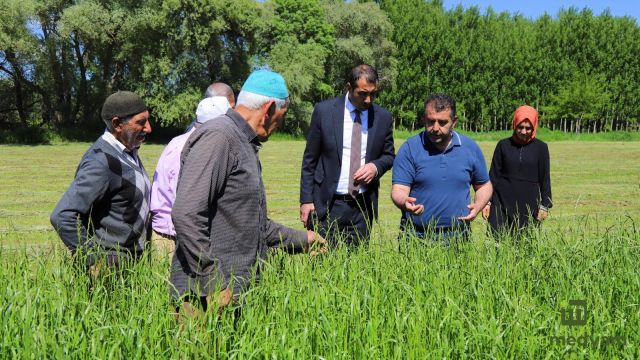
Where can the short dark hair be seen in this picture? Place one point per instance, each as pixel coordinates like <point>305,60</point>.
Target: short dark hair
<point>440,103</point>
<point>363,70</point>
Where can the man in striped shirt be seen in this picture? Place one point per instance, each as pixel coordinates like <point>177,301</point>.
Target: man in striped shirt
<point>220,211</point>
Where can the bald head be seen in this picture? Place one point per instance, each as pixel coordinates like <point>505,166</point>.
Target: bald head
<point>221,89</point>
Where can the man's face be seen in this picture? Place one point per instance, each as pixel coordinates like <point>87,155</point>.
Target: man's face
<point>274,118</point>
<point>438,125</point>
<point>133,133</point>
<point>524,130</point>
<point>363,94</point>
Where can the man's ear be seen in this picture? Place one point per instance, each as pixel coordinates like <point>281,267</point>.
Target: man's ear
<point>272,109</point>
<point>115,122</point>
<point>267,109</point>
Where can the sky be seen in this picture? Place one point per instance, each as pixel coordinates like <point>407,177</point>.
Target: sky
<point>535,8</point>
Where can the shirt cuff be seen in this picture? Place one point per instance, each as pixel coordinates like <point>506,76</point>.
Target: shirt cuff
<point>294,241</point>
<point>374,165</point>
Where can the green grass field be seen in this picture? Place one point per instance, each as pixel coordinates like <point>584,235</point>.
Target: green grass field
<point>473,300</point>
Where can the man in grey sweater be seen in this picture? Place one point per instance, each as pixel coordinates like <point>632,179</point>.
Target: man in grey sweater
<point>220,211</point>
<point>104,214</point>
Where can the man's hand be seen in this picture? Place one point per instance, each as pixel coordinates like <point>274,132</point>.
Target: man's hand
<point>401,199</point>
<point>365,174</point>
<point>542,215</point>
<point>188,312</point>
<point>95,270</point>
<point>222,299</point>
<point>473,212</point>
<point>411,206</point>
<point>483,195</point>
<point>486,211</point>
<point>306,210</point>
<point>317,244</point>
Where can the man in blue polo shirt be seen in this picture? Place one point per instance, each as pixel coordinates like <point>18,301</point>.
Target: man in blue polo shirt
<point>432,173</point>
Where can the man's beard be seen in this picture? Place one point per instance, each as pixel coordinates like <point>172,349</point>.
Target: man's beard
<point>132,140</point>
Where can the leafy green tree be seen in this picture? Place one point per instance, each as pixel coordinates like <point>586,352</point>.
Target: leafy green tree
<point>302,67</point>
<point>59,59</point>
<point>18,50</point>
<point>302,19</point>
<point>363,34</point>
<point>202,41</point>
<point>617,43</point>
<point>422,36</point>
<point>580,99</point>
<point>107,43</point>
<point>296,42</point>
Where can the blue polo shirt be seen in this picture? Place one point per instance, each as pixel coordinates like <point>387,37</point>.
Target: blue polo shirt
<point>440,180</point>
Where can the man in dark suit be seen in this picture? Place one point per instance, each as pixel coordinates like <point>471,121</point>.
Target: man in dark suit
<point>339,191</point>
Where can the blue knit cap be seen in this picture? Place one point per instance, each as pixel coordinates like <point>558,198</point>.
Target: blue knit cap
<point>266,83</point>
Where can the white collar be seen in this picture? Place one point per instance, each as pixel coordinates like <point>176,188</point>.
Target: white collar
<point>109,138</point>
<point>457,137</point>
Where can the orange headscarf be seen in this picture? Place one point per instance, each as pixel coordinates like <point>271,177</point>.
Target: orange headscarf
<point>525,112</point>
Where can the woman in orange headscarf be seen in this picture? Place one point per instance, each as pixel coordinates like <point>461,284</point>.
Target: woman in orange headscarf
<point>520,177</point>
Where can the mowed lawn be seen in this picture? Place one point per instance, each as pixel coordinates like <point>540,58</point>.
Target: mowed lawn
<point>473,300</point>
<point>599,180</point>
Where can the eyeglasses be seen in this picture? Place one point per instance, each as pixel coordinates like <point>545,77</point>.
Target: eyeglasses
<point>365,94</point>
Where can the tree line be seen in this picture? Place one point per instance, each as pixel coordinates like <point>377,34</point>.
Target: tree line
<point>59,59</point>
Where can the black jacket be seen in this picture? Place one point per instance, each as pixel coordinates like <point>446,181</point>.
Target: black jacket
<point>323,154</point>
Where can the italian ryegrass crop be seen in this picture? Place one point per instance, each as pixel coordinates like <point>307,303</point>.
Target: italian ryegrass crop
<point>478,299</point>
<point>474,300</point>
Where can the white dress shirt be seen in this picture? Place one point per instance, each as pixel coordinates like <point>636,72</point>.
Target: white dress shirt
<point>349,119</point>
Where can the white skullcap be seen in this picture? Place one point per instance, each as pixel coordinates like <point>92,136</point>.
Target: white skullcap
<point>211,107</point>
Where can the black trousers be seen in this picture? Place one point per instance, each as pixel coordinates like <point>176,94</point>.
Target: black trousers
<point>348,220</point>
<point>433,235</point>
<point>516,224</point>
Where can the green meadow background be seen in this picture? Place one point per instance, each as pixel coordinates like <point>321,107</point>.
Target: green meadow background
<point>473,300</point>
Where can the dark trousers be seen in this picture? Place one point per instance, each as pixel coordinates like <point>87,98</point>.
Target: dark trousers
<point>98,258</point>
<point>513,224</point>
<point>434,235</point>
<point>106,269</point>
<point>348,220</point>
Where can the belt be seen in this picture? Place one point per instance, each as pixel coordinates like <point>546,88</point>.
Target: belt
<point>347,197</point>
<point>439,230</point>
<point>166,236</point>
<point>405,224</point>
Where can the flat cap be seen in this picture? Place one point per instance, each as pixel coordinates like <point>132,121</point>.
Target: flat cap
<point>122,104</point>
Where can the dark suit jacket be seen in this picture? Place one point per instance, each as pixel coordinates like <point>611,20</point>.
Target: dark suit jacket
<point>323,154</point>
